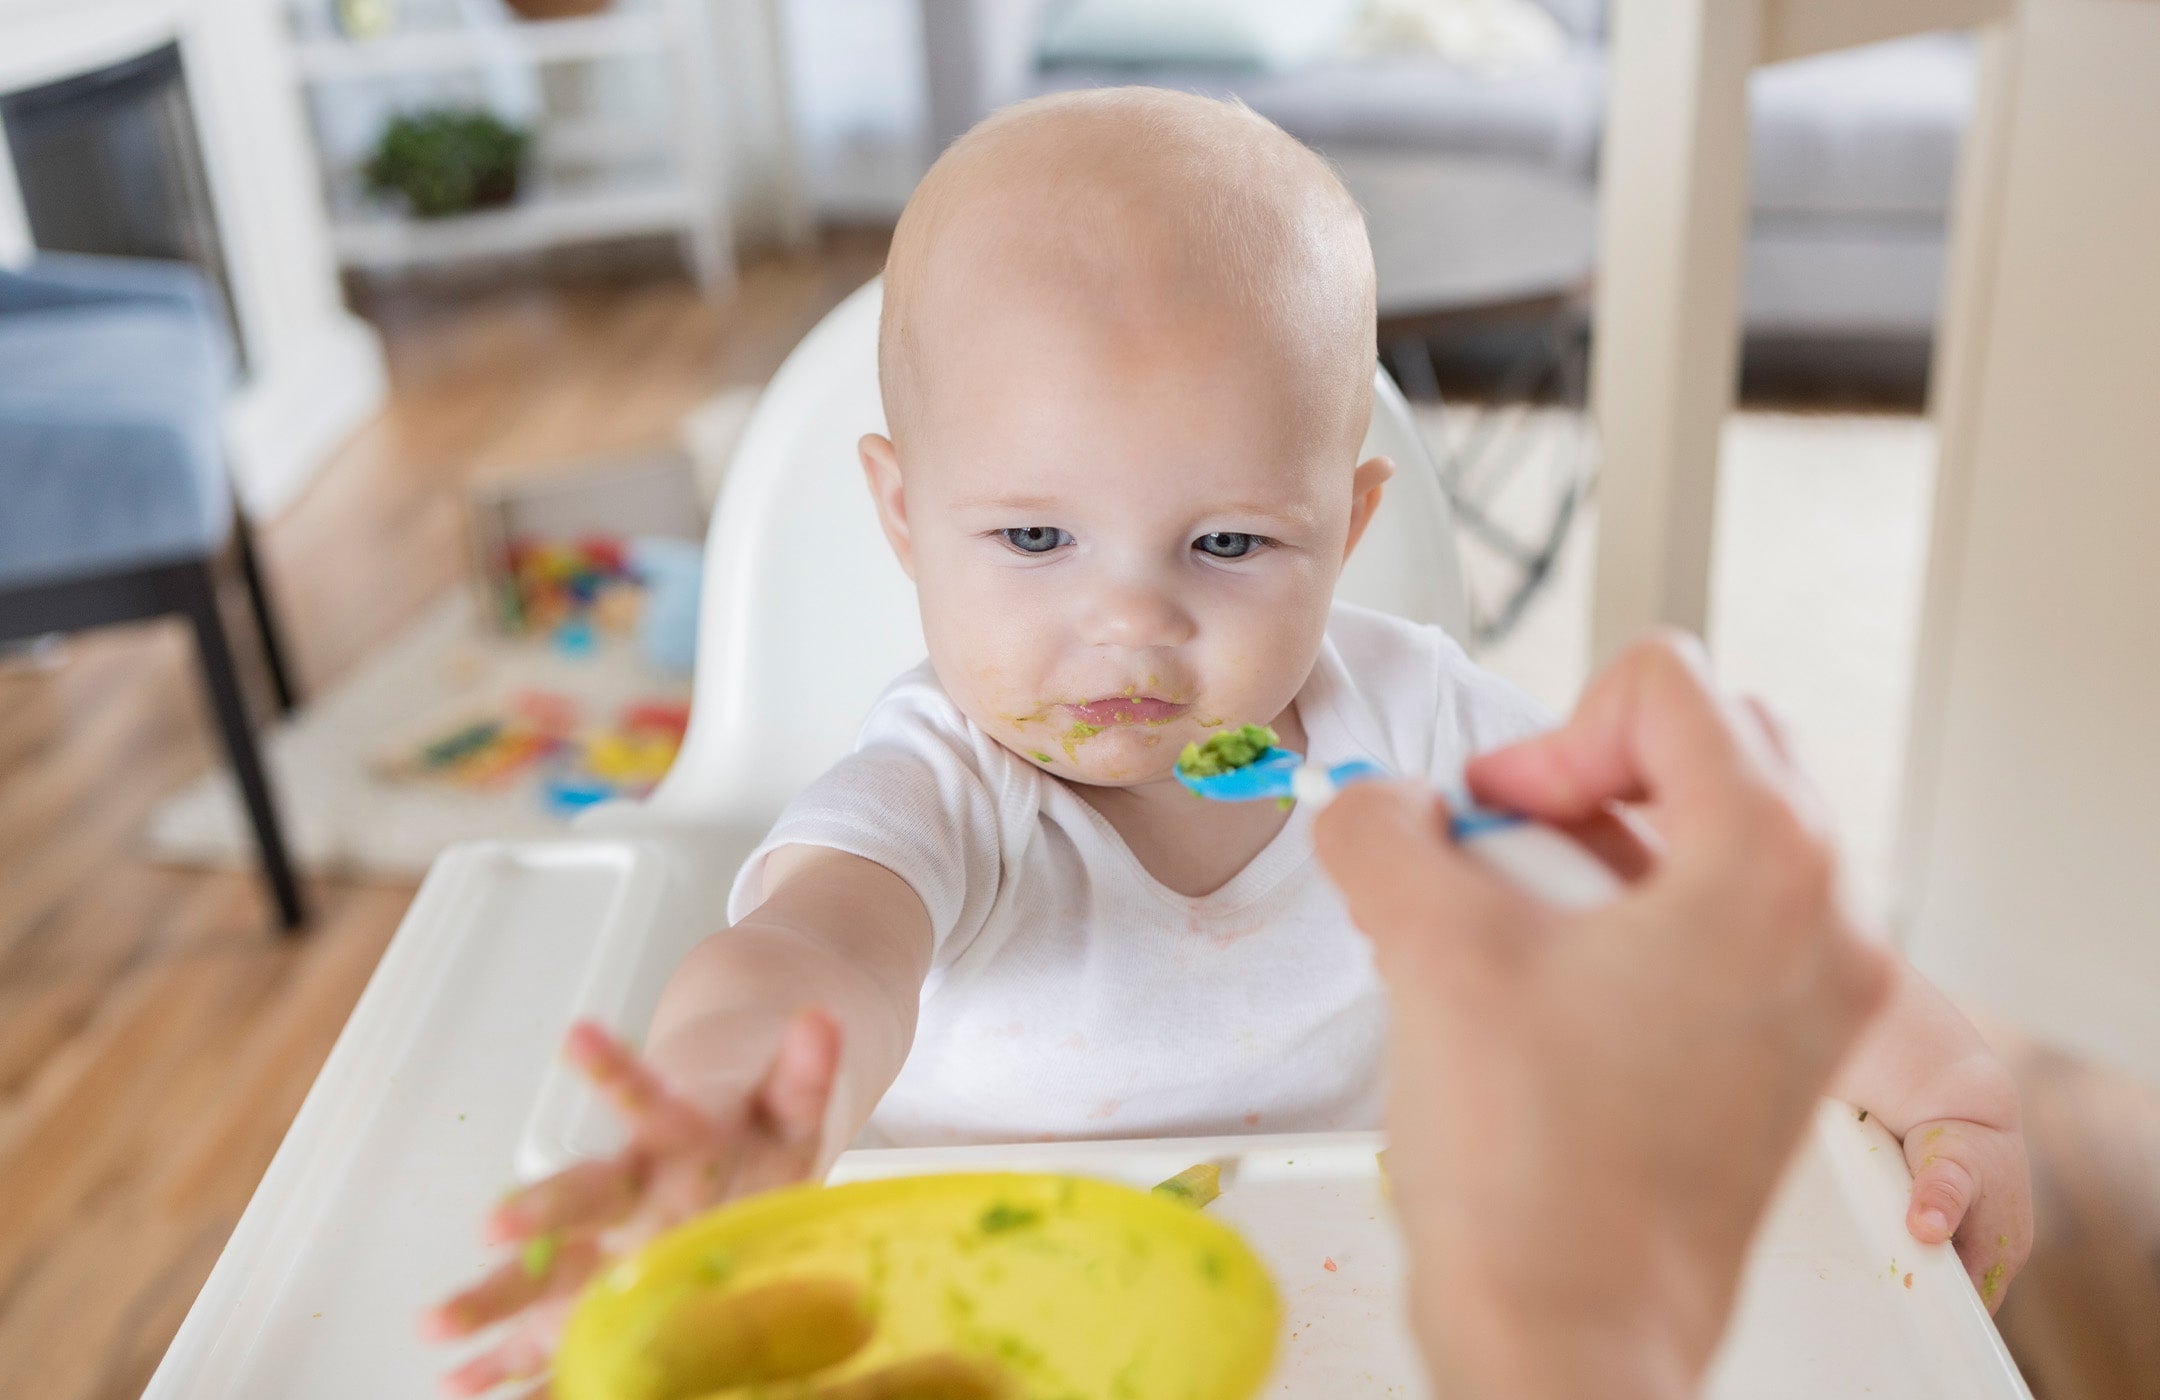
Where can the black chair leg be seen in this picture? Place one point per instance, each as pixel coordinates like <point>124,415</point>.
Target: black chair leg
<point>265,620</point>
<point>199,602</point>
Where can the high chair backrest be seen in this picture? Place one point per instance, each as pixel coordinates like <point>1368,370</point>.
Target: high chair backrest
<point>806,615</point>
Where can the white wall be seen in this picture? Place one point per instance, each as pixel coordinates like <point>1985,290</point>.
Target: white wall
<point>856,72</point>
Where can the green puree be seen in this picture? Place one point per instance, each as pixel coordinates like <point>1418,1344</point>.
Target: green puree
<point>1225,752</point>
<point>539,1254</point>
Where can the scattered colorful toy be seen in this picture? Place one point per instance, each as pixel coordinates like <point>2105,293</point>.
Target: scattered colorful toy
<point>543,729</point>
<point>552,585</point>
<point>627,759</point>
<point>487,751</point>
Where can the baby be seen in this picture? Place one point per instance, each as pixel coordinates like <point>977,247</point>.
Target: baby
<point>1127,361</point>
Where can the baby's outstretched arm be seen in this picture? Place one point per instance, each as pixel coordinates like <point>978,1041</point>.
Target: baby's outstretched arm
<point>1924,1071</point>
<point>835,932</point>
<point>772,1043</point>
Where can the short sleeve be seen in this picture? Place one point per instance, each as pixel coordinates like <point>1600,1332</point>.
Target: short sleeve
<point>1477,711</point>
<point>919,795</point>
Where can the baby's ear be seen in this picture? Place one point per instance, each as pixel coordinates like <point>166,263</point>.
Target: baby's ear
<point>881,468</point>
<point>1365,484</point>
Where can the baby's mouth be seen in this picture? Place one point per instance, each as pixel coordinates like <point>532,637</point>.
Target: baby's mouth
<point>1126,709</point>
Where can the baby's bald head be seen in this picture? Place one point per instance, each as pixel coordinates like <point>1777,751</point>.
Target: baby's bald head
<point>1127,217</point>
<point>1127,356</point>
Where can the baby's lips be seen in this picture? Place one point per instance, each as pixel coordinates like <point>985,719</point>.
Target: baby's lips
<point>1127,709</point>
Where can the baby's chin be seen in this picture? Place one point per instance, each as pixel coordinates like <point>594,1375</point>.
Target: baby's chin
<point>1120,755</point>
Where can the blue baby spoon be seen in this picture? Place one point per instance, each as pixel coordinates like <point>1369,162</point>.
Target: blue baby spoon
<point>1247,765</point>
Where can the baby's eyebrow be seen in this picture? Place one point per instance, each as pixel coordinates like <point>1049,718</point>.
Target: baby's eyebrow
<point>1009,503</point>
<point>1294,515</point>
<point>1047,505</point>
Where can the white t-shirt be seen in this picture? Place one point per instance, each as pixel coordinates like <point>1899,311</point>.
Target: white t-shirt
<point>1072,994</point>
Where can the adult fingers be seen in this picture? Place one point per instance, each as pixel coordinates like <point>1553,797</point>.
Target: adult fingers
<point>1406,883</point>
<point>1776,731</point>
<point>1859,980</point>
<point>1774,735</point>
<point>788,1110</point>
<point>590,1194</point>
<point>1615,838</point>
<point>1651,727</point>
<point>512,1287</point>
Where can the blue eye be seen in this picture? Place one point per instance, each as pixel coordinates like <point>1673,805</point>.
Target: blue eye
<point>1035,539</point>
<point>1227,544</point>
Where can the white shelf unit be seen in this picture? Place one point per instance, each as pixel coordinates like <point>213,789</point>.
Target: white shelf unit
<point>542,219</point>
<point>534,41</point>
<point>684,196</point>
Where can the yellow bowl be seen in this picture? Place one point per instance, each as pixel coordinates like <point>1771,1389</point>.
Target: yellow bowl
<point>1003,1286</point>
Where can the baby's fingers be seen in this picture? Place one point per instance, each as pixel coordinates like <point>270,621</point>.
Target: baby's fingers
<point>519,1357</point>
<point>543,1269</point>
<point>1943,1186</point>
<point>1994,1234</point>
<point>652,1113</point>
<point>788,1113</point>
<point>1977,1180</point>
<point>1994,1242</point>
<point>791,1102</point>
<point>589,1195</point>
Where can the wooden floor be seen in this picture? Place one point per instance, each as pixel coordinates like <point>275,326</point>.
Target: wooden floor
<point>156,1038</point>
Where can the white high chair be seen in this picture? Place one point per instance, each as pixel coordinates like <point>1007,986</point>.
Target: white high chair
<point>446,1074</point>
<point>806,617</point>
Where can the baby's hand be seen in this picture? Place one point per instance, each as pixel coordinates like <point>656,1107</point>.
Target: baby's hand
<point>682,1159</point>
<point>1972,1184</point>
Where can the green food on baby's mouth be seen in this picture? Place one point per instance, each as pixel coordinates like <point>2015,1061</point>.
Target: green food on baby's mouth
<point>1226,752</point>
<point>1079,734</point>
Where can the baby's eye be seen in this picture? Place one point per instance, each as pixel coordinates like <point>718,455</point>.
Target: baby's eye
<point>1227,544</point>
<point>1035,539</point>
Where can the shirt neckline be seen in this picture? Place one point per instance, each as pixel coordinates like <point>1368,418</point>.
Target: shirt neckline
<point>1329,738</point>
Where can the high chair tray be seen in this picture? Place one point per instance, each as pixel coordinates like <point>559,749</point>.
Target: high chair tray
<point>370,1208</point>
<point>1826,1309</point>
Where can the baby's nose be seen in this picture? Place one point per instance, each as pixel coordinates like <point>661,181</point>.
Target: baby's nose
<point>1135,616</point>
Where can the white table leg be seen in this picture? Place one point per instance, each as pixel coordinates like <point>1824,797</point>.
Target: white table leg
<point>2028,872</point>
<point>1673,224</point>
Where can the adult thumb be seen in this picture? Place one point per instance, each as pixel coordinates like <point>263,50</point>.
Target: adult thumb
<point>1408,885</point>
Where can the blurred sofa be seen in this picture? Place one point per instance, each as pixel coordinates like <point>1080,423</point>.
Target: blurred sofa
<point>1854,152</point>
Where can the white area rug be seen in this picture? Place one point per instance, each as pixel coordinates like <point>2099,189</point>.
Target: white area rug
<point>1822,535</point>
<point>341,815</point>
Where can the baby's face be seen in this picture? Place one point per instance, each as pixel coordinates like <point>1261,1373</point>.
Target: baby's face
<point>1120,548</point>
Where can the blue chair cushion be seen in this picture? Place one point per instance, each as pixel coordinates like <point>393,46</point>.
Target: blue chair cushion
<point>110,453</point>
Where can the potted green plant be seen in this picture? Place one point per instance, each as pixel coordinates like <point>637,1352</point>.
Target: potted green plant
<point>448,161</point>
